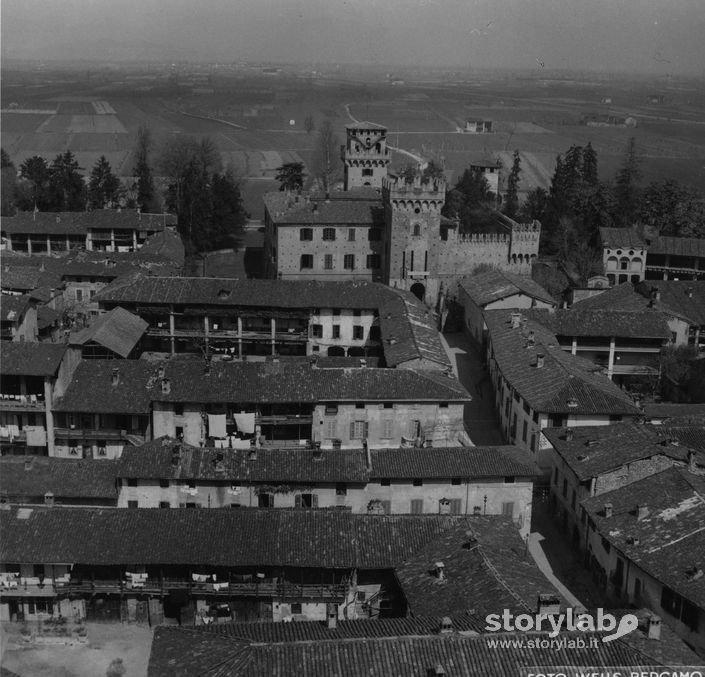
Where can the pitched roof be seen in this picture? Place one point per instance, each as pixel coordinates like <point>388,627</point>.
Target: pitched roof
<point>366,125</point>
<point>566,383</point>
<point>65,478</point>
<point>118,330</point>
<point>317,631</point>
<point>685,298</point>
<point>502,461</point>
<point>12,307</point>
<point>495,284</point>
<point>670,410</point>
<point>293,210</point>
<point>646,323</point>
<point>678,246</point>
<point>457,654</point>
<point>670,539</point>
<point>333,539</point>
<point>154,460</point>
<point>79,223</point>
<point>485,568</point>
<point>626,238</point>
<point>691,436</point>
<point>20,279</point>
<point>30,359</point>
<point>594,450</point>
<point>90,389</point>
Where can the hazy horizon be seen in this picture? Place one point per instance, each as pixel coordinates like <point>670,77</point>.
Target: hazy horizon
<point>637,36</point>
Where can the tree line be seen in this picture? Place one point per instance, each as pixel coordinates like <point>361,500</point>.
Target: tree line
<point>197,188</point>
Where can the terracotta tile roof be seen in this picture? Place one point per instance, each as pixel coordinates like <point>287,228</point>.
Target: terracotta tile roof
<point>684,298</point>
<point>30,359</point>
<point>20,279</point>
<point>594,450</point>
<point>669,410</point>
<point>622,297</point>
<point>290,210</point>
<point>316,631</point>
<point>678,246</point>
<point>502,461</point>
<point>485,568</point>
<point>65,478</point>
<point>78,223</point>
<point>12,307</point>
<point>566,384</point>
<point>91,389</point>
<point>670,543</point>
<point>625,238</point>
<point>154,460</point>
<point>646,323</point>
<point>366,125</point>
<point>691,436</point>
<point>494,285</point>
<point>458,655</point>
<point>333,539</point>
<point>118,330</point>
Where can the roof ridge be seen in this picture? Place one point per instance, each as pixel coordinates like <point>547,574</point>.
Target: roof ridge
<point>500,580</point>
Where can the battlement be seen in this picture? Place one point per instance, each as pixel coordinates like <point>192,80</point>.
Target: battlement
<point>483,238</point>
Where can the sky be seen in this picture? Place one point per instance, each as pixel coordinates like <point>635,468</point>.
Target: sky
<point>662,36</point>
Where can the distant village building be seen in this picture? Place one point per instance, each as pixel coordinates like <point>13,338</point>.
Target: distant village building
<point>397,235</point>
<point>607,120</point>
<point>478,126</point>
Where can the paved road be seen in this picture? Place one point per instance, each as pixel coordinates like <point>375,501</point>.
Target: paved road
<point>480,419</point>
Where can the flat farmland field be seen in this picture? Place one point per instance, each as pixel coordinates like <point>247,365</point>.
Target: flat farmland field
<point>22,123</point>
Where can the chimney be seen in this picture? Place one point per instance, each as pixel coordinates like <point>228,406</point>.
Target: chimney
<point>653,626</point>
<point>691,460</point>
<point>516,320</point>
<point>28,462</point>
<point>166,386</point>
<point>548,605</point>
<point>332,616</point>
<point>439,569</point>
<point>115,378</point>
<point>689,292</point>
<point>642,511</point>
<point>363,362</point>
<point>539,360</point>
<point>607,508</point>
<point>436,671</point>
<point>531,340</point>
<point>161,371</point>
<point>568,435</point>
<point>446,626</point>
<point>49,499</point>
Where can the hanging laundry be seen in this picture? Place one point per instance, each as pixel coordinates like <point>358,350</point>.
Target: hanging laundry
<point>245,422</point>
<point>216,425</point>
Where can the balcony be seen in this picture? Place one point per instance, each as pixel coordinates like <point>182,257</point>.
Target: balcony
<point>11,402</point>
<point>12,434</point>
<point>102,434</point>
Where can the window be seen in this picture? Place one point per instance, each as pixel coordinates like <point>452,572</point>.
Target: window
<point>236,505</point>
<point>164,484</point>
<point>385,482</point>
<point>357,312</point>
<point>306,234</point>
<point>265,501</point>
<point>358,430</point>
<point>331,408</point>
<point>456,506</point>
<point>417,229</point>
<point>606,545</point>
<point>91,293</point>
<point>179,409</point>
<point>349,262</point>
<point>38,571</point>
<point>164,504</point>
<point>131,482</point>
<point>509,479</point>
<point>306,501</point>
<point>615,418</point>
<point>388,405</point>
<point>374,234</point>
<point>373,261</point>
<point>296,608</point>
<point>359,405</point>
<point>387,429</point>
<point>39,606</point>
<point>565,488</point>
<point>132,504</point>
<point>317,330</point>
<point>336,331</point>
<point>555,476</point>
<point>455,481</point>
<point>351,235</point>
<point>367,171</point>
<point>572,500</point>
<point>192,484</point>
<point>508,508</point>
<point>358,332</point>
<point>417,506</point>
<point>336,311</point>
<point>306,261</point>
<point>328,261</point>
<point>341,489</point>
<point>417,482</point>
<point>414,428</point>
<point>524,431</point>
<point>361,596</point>
<point>329,234</point>
<point>79,294</point>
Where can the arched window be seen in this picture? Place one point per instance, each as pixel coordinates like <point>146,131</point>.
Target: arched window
<point>624,263</point>
<point>417,229</point>
<point>612,263</point>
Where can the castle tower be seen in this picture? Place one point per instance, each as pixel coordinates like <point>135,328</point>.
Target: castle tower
<point>413,227</point>
<point>365,155</point>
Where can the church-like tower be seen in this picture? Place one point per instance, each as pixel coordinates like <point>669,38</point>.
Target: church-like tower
<point>365,155</point>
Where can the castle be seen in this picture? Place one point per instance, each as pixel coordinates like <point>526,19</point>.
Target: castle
<point>386,228</point>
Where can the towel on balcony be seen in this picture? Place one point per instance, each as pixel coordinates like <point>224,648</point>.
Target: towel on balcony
<point>245,422</point>
<point>216,425</point>
<point>221,586</point>
<point>36,436</point>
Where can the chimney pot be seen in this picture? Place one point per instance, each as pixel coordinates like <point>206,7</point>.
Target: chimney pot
<point>568,434</point>
<point>446,625</point>
<point>608,509</point>
<point>115,377</point>
<point>49,498</point>
<point>691,460</point>
<point>332,616</point>
<point>516,320</point>
<point>166,386</point>
<point>653,626</point>
<point>642,511</point>
<point>161,371</point>
<point>440,570</point>
<point>540,358</point>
